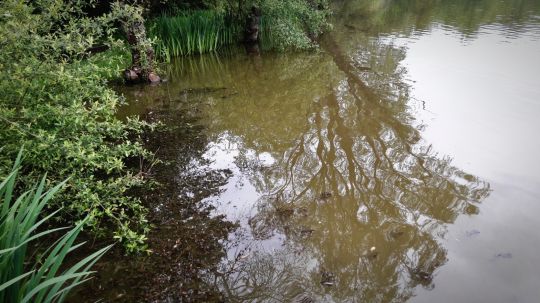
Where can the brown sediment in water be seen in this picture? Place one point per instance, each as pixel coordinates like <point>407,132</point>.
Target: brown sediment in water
<point>186,238</point>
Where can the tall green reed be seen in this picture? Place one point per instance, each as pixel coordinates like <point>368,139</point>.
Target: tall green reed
<point>21,224</point>
<point>266,35</point>
<point>193,32</point>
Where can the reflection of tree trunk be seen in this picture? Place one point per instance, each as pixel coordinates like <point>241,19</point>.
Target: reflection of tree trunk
<point>253,49</point>
<point>357,85</point>
<point>252,26</point>
<point>343,62</point>
<point>345,65</point>
<point>142,55</point>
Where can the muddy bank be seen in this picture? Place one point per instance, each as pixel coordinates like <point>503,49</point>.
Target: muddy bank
<point>186,240</point>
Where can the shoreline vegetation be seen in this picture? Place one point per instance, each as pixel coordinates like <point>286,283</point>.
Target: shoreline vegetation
<point>58,58</point>
<point>47,280</point>
<point>290,25</point>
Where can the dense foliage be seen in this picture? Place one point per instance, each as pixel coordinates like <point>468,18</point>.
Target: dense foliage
<point>54,100</point>
<point>293,24</point>
<point>285,25</point>
<point>20,225</point>
<point>56,103</point>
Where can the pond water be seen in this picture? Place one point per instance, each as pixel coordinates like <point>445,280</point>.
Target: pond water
<point>398,164</point>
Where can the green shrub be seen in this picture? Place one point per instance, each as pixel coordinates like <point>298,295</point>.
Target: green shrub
<point>292,24</point>
<point>19,226</point>
<point>58,105</point>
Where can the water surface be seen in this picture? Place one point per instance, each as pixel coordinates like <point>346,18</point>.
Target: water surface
<point>398,164</point>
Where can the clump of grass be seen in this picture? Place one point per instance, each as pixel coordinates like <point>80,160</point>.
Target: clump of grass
<point>20,224</point>
<point>267,39</point>
<point>193,32</point>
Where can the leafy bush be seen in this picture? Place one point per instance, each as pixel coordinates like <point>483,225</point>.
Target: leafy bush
<point>19,226</point>
<point>293,24</point>
<point>56,102</point>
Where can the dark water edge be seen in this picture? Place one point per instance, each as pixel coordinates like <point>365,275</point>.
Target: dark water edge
<point>186,239</point>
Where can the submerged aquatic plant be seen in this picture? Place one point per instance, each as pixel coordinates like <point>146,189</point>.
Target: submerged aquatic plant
<point>193,32</point>
<point>20,225</point>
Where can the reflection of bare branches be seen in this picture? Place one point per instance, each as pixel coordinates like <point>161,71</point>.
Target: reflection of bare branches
<point>265,277</point>
<point>358,195</point>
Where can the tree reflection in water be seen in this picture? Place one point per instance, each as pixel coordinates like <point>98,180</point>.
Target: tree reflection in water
<point>351,205</point>
<point>355,200</point>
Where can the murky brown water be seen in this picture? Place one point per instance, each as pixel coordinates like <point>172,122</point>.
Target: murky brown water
<point>398,164</point>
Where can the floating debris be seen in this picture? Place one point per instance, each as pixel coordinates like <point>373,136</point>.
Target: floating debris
<point>421,276</point>
<point>327,278</point>
<point>372,253</point>
<point>325,195</point>
<point>506,255</point>
<point>244,256</point>
<point>306,232</point>
<point>472,233</point>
